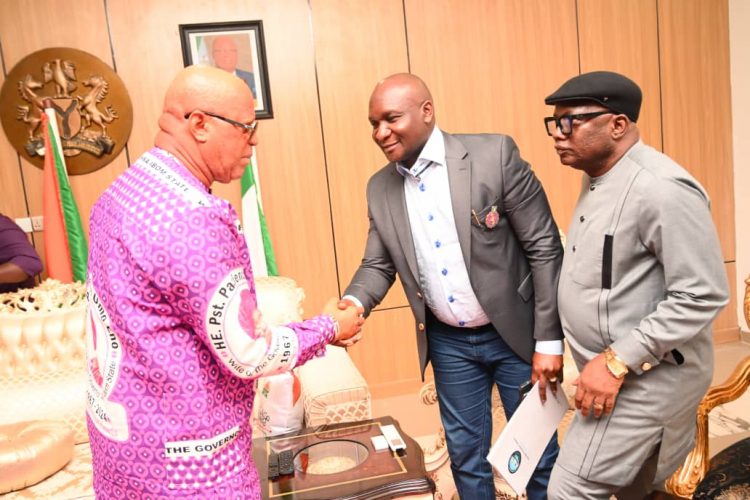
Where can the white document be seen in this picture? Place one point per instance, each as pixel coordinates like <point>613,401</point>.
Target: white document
<point>519,448</point>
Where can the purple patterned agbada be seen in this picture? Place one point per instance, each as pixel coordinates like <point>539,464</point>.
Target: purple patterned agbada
<point>171,368</point>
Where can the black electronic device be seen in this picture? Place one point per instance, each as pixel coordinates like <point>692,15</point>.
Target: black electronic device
<point>524,389</point>
<point>286,462</point>
<point>273,467</point>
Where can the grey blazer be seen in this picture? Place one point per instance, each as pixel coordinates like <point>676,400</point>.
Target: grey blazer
<point>513,267</point>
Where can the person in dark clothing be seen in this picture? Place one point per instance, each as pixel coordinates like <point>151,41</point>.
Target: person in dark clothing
<point>19,262</point>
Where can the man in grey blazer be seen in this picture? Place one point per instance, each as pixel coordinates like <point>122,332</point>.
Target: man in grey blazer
<point>642,280</point>
<point>467,227</point>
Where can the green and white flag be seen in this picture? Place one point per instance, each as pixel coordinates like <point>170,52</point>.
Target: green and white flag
<point>65,245</point>
<point>254,223</point>
<point>201,51</point>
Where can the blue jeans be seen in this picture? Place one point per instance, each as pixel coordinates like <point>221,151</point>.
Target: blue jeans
<point>466,362</point>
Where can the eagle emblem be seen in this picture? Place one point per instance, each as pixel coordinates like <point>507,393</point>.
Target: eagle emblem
<point>79,88</point>
<point>83,125</point>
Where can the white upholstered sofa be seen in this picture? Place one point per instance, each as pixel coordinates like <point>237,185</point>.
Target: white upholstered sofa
<point>44,451</point>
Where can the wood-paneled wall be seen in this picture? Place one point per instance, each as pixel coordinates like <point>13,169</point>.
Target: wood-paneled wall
<point>489,64</point>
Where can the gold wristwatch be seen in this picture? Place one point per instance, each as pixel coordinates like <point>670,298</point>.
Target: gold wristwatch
<point>615,365</point>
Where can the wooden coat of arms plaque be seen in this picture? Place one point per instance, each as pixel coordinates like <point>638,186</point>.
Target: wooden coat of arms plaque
<point>93,109</point>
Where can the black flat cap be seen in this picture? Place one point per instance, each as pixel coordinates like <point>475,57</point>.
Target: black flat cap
<point>612,90</point>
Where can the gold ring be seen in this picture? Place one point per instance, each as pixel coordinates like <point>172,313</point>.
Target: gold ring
<point>598,406</point>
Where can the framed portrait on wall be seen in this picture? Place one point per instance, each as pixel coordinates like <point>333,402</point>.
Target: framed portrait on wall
<point>237,47</point>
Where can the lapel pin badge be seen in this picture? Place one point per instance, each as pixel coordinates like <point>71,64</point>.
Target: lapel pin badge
<point>492,217</point>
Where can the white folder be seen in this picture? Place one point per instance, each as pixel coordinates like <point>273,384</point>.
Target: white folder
<point>519,448</point>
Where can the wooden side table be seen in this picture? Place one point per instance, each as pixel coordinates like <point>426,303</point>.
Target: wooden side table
<point>339,461</point>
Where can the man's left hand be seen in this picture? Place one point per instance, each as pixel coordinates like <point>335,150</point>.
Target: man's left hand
<point>546,368</point>
<point>597,388</point>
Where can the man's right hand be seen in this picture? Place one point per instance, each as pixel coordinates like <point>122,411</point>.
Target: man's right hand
<point>597,388</point>
<point>350,319</point>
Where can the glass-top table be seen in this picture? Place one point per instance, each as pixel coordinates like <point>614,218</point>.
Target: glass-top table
<point>340,461</point>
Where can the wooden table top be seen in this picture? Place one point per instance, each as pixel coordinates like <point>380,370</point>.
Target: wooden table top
<point>380,474</point>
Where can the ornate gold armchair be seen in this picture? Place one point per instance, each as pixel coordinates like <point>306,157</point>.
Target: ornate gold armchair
<point>687,481</point>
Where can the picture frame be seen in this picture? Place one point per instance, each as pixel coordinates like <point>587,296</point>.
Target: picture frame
<point>237,46</point>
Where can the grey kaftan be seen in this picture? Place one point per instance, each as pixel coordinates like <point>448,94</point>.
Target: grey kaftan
<point>666,285</point>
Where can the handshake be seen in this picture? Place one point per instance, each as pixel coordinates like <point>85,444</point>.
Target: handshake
<point>349,317</point>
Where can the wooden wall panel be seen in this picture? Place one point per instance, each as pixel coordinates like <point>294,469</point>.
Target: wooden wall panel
<point>634,51</point>
<point>347,31</point>
<point>696,107</point>
<point>726,326</point>
<point>13,199</point>
<point>696,104</point>
<point>739,51</point>
<point>490,64</point>
<point>387,354</point>
<point>290,149</point>
<point>28,26</point>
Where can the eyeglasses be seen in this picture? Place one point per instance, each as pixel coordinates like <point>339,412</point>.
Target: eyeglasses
<point>250,128</point>
<point>565,123</point>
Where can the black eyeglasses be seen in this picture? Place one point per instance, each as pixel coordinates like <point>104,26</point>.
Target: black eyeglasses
<point>250,128</point>
<point>564,123</point>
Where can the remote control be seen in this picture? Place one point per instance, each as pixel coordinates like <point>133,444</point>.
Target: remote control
<point>393,437</point>
<point>286,462</point>
<point>273,467</point>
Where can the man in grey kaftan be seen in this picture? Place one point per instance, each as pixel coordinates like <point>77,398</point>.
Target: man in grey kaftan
<point>642,281</point>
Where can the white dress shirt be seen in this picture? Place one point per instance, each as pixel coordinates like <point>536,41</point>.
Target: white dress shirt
<point>443,276</point>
